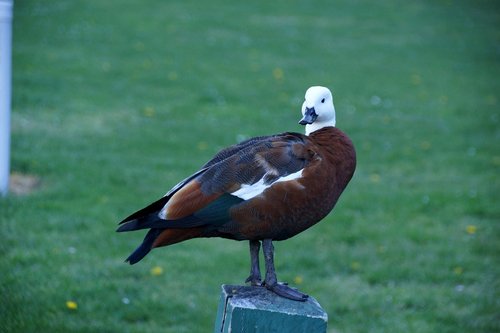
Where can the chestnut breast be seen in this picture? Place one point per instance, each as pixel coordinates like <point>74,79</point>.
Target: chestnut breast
<point>288,208</point>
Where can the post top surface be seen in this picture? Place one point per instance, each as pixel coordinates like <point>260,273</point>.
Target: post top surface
<point>262,299</point>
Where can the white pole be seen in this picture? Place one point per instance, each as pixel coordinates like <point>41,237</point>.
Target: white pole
<point>5,91</point>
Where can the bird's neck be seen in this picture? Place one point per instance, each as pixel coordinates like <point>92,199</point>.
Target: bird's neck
<point>310,128</point>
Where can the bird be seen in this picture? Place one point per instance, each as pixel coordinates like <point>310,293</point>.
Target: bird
<point>261,190</point>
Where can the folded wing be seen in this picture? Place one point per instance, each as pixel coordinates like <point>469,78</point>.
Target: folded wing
<point>236,174</point>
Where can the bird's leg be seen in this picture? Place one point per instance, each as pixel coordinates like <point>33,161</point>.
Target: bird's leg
<point>271,282</point>
<point>255,277</point>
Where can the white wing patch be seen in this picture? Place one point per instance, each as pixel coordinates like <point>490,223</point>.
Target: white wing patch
<point>247,192</point>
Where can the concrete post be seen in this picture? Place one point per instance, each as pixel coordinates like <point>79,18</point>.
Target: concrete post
<point>257,310</point>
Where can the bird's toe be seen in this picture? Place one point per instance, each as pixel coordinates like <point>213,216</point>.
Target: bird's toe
<point>284,290</point>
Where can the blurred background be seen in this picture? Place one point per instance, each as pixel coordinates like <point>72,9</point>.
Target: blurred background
<point>114,102</point>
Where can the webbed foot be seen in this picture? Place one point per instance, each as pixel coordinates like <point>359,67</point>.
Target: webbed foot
<point>284,290</point>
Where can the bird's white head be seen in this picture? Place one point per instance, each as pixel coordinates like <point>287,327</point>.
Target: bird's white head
<point>318,110</point>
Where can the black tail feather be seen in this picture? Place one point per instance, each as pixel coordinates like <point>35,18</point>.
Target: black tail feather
<point>155,207</point>
<point>143,222</point>
<point>145,247</point>
<point>152,221</point>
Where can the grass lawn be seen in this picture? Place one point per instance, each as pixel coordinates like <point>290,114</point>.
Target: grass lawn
<point>114,102</point>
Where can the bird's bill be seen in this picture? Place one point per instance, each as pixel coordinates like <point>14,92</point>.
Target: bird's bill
<point>309,116</point>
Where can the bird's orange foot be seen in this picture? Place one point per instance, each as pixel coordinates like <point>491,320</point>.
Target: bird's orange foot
<point>283,290</point>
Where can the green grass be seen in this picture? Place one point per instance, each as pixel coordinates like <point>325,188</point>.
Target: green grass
<point>116,101</point>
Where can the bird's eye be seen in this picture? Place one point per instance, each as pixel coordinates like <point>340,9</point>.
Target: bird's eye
<point>323,100</point>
